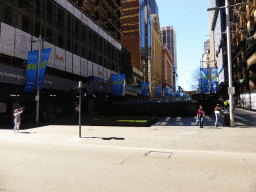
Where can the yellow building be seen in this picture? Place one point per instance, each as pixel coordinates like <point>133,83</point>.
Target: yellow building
<point>155,66</point>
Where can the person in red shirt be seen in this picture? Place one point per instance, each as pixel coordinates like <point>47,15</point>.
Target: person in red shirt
<point>200,116</point>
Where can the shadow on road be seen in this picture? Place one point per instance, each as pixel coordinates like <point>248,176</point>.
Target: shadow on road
<point>104,138</point>
<point>184,121</point>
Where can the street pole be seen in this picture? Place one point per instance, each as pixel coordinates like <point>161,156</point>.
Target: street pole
<point>80,105</point>
<point>38,69</point>
<point>231,104</point>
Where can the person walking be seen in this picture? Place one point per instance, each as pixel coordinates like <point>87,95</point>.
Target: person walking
<point>217,111</point>
<point>17,119</point>
<point>200,116</point>
<point>225,105</point>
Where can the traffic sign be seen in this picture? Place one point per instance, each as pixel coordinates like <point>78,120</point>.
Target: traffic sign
<point>231,90</point>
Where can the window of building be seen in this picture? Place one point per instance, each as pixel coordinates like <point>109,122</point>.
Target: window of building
<point>38,8</point>
<point>77,29</point>
<point>84,51</point>
<point>37,29</point>
<point>95,41</point>
<point>24,4</point>
<point>49,34</point>
<point>60,41</point>
<point>69,21</point>
<point>76,49</point>
<point>109,50</point>
<point>112,53</point>
<point>84,34</point>
<point>8,15</point>
<point>60,20</point>
<point>105,63</point>
<point>90,37</point>
<point>100,45</point>
<point>105,47</point>
<point>95,58</point>
<point>100,61</point>
<point>25,24</point>
<point>69,46</point>
<point>89,55</point>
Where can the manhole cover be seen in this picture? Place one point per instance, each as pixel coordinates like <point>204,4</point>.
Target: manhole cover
<point>159,154</point>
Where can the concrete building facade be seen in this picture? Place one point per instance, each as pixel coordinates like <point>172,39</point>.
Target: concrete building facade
<point>155,65</point>
<point>169,39</point>
<point>136,29</point>
<point>82,50</point>
<point>167,68</point>
<point>243,53</point>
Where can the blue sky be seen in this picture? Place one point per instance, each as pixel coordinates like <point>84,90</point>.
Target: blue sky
<point>190,20</point>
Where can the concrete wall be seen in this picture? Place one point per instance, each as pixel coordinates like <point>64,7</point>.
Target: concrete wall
<point>174,109</point>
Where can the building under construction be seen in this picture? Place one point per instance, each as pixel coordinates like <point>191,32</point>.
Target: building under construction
<point>106,13</point>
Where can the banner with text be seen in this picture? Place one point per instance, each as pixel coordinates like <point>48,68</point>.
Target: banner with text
<point>214,75</point>
<point>165,91</point>
<point>158,91</point>
<point>31,71</point>
<point>118,84</point>
<point>144,88</point>
<point>44,60</point>
<point>205,82</point>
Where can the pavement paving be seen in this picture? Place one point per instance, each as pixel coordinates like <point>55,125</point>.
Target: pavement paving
<point>172,155</point>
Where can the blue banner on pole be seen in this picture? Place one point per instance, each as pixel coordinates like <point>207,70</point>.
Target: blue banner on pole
<point>214,75</point>
<point>31,71</point>
<point>158,91</point>
<point>118,84</point>
<point>170,92</point>
<point>144,88</point>
<point>205,80</point>
<point>165,91</point>
<point>44,60</point>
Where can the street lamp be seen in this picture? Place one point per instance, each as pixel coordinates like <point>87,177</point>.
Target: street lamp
<point>227,6</point>
<point>38,69</point>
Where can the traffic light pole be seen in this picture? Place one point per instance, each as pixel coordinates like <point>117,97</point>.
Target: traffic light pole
<point>80,105</point>
<point>80,102</point>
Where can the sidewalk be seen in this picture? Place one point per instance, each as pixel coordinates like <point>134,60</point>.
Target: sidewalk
<point>63,120</point>
<point>150,138</point>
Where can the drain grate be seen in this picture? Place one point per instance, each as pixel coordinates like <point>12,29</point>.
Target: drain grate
<point>159,154</point>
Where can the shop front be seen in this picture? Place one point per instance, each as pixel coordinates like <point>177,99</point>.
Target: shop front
<point>55,97</point>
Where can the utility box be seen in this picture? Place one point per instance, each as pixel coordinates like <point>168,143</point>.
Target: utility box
<point>226,118</point>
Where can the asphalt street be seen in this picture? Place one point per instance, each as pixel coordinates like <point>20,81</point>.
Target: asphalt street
<point>172,155</point>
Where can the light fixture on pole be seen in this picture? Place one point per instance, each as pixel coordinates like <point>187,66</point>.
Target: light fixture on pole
<point>227,6</point>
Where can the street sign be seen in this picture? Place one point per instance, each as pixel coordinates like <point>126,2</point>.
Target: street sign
<point>231,90</point>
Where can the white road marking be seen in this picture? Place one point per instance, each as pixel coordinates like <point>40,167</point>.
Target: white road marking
<point>139,149</point>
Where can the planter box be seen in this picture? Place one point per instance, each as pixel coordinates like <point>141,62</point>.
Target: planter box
<point>127,121</point>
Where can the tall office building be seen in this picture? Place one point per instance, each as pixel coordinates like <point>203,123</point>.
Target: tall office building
<point>155,65</point>
<point>136,29</point>
<point>82,49</point>
<point>168,36</point>
<point>106,13</point>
